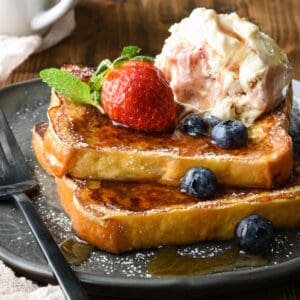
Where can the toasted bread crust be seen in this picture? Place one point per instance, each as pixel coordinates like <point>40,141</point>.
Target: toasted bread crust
<point>118,216</point>
<point>121,231</point>
<point>83,143</point>
<point>38,134</point>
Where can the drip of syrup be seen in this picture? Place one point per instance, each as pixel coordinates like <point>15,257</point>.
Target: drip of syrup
<point>168,262</point>
<point>75,251</point>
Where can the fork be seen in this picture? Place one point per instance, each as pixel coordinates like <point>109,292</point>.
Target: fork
<point>15,178</point>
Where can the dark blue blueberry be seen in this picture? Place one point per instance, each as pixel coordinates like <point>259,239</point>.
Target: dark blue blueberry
<point>230,134</point>
<point>254,234</point>
<point>200,182</point>
<point>194,125</point>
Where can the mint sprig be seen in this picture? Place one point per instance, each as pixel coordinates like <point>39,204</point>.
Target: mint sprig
<point>68,85</point>
<point>78,91</point>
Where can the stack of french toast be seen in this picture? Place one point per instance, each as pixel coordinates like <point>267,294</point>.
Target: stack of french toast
<point>120,186</point>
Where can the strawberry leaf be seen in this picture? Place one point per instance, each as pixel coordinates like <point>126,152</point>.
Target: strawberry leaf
<point>105,64</point>
<point>143,58</point>
<point>97,80</point>
<point>119,61</point>
<point>96,96</point>
<point>130,51</point>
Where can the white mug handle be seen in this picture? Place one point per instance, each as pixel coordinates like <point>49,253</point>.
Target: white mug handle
<point>44,19</point>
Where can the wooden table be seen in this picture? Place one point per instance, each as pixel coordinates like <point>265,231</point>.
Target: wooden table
<point>104,27</point>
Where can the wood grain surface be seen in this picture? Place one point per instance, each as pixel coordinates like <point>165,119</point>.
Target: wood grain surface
<point>104,27</point>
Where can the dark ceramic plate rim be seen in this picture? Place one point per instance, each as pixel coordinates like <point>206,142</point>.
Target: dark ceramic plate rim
<point>152,287</point>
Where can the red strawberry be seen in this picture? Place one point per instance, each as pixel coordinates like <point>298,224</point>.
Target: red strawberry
<point>136,94</point>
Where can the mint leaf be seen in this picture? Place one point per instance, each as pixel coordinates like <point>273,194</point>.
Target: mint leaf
<point>68,85</point>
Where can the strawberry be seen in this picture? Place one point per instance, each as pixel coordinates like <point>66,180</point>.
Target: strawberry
<point>135,93</point>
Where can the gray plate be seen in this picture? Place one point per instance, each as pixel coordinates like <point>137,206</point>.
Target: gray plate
<point>122,276</point>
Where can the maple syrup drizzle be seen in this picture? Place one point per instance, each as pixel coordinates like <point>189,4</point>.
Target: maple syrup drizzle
<point>75,251</point>
<point>169,263</point>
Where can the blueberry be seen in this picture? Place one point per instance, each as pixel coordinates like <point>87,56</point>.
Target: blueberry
<point>254,234</point>
<point>200,182</point>
<point>230,134</point>
<point>194,125</point>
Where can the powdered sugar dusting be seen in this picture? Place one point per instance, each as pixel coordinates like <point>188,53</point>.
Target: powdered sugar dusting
<point>30,108</point>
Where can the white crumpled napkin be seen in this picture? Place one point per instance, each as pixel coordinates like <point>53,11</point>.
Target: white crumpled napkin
<point>15,50</point>
<point>20,288</point>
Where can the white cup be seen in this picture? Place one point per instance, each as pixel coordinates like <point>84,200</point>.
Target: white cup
<point>25,17</point>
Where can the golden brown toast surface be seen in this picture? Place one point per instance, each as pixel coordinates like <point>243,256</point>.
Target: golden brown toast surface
<point>83,143</point>
<point>121,216</point>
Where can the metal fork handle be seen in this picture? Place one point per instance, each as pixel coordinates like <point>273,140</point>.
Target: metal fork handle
<point>69,283</point>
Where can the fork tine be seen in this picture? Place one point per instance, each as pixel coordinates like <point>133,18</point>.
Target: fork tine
<point>7,140</point>
<point>3,158</point>
<point>3,163</point>
<point>14,171</point>
<point>2,154</point>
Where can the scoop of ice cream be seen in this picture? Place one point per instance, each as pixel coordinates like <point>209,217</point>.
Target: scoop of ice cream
<point>223,65</point>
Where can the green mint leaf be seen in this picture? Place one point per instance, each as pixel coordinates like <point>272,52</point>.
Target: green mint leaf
<point>144,58</point>
<point>130,51</point>
<point>105,64</point>
<point>68,85</point>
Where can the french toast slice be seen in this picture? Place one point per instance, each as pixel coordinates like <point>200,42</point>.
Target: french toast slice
<point>83,143</point>
<point>122,216</point>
